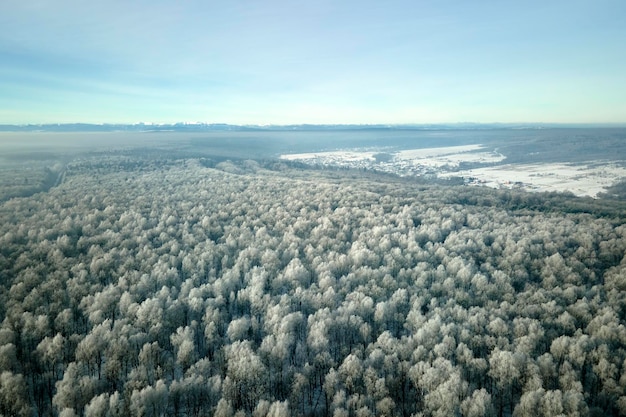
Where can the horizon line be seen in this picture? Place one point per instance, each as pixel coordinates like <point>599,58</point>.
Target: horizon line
<point>198,125</point>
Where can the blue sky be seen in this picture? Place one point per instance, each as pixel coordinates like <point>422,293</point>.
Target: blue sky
<point>323,61</point>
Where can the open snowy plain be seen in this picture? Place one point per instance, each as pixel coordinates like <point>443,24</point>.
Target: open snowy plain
<point>582,180</point>
<point>477,165</point>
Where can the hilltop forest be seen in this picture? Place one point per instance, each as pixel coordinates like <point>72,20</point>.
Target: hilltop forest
<point>181,287</point>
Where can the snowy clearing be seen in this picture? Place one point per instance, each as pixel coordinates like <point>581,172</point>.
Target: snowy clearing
<point>585,179</point>
<point>450,156</point>
<point>582,180</point>
<point>334,156</point>
<point>436,152</point>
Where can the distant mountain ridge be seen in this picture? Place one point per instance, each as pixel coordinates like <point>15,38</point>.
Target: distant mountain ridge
<point>201,127</point>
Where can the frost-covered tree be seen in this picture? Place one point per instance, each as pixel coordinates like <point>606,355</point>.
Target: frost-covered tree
<point>145,286</point>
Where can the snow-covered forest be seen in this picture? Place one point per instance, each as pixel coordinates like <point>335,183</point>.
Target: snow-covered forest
<point>156,287</point>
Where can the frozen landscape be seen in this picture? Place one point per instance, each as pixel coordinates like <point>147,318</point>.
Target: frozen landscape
<point>588,179</point>
<point>360,273</point>
<point>312,209</point>
<point>584,161</point>
<point>478,165</point>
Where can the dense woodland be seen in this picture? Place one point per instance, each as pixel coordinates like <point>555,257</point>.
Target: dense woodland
<point>150,288</point>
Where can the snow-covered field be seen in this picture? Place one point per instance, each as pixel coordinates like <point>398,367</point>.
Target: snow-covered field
<point>451,156</point>
<point>583,180</point>
<point>436,152</point>
<point>587,179</point>
<point>326,157</point>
